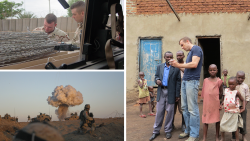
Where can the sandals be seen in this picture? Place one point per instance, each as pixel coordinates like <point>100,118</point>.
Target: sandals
<point>143,116</point>
<point>151,114</point>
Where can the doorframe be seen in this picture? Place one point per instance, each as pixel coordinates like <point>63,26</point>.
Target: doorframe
<point>139,50</point>
<point>221,48</point>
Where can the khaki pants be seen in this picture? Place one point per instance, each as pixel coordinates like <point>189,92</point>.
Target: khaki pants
<point>84,126</point>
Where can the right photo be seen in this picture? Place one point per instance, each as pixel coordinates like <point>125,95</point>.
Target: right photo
<point>187,77</point>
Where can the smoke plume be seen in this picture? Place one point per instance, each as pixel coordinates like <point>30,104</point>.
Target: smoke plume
<point>63,97</point>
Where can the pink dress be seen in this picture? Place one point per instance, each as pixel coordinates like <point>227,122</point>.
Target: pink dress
<point>211,102</point>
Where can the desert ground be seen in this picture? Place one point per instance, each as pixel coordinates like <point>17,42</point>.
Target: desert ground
<point>113,130</point>
<point>140,129</point>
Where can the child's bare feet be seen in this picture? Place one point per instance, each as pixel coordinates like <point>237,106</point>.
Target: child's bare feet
<point>217,139</point>
<point>244,138</point>
<point>143,116</point>
<point>151,114</point>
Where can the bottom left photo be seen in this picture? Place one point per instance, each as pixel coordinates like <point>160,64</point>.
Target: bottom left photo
<point>61,106</point>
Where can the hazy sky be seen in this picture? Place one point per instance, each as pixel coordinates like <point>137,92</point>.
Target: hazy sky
<point>26,93</point>
<point>41,7</point>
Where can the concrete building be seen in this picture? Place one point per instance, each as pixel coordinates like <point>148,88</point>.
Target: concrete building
<point>220,27</point>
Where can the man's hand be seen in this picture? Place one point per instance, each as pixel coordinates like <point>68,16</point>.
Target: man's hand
<point>159,82</point>
<point>174,63</point>
<point>177,99</point>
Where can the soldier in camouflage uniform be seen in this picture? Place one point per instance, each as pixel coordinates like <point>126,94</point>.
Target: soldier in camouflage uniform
<point>49,27</point>
<point>87,120</point>
<point>77,10</point>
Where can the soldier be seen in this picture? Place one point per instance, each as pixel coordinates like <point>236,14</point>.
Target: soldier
<point>49,27</point>
<point>28,118</point>
<point>87,120</point>
<point>77,10</point>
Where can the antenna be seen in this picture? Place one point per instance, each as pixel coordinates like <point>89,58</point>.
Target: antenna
<point>14,113</point>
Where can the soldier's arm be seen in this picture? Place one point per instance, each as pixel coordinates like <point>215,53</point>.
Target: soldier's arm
<point>87,116</point>
<point>65,38</point>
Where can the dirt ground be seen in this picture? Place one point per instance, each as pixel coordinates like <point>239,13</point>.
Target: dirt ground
<point>113,130</point>
<point>140,129</point>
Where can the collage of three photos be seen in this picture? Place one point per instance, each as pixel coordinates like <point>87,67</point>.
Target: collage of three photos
<point>114,70</point>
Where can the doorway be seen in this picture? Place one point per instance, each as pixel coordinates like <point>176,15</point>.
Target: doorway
<point>149,58</point>
<point>211,51</point>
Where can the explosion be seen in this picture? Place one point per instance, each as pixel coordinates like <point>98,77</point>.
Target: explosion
<point>63,97</point>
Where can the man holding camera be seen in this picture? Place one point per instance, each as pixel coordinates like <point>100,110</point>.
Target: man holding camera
<point>168,79</point>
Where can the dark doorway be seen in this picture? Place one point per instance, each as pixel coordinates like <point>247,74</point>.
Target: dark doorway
<point>211,51</point>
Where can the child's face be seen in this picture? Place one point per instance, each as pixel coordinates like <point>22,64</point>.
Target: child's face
<point>150,89</point>
<point>240,78</point>
<point>232,84</point>
<point>212,70</point>
<point>141,75</point>
<point>225,72</point>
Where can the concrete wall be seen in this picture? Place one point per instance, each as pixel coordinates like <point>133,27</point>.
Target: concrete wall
<point>66,24</point>
<point>233,28</point>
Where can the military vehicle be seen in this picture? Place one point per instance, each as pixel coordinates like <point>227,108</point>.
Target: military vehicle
<point>8,117</point>
<point>42,117</point>
<point>72,117</point>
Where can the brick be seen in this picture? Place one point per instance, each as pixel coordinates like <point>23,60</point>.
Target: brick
<point>188,6</point>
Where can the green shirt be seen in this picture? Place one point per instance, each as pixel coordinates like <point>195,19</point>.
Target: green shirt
<point>222,78</point>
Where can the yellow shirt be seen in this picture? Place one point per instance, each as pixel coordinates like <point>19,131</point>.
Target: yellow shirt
<point>143,92</point>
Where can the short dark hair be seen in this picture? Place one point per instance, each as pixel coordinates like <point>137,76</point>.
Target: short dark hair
<point>232,78</point>
<point>184,39</point>
<point>51,18</point>
<point>240,72</point>
<point>151,87</point>
<point>167,52</point>
<point>79,5</point>
<point>180,52</point>
<point>212,65</point>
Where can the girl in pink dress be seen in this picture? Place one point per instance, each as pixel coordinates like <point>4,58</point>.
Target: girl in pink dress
<point>211,93</point>
<point>232,119</point>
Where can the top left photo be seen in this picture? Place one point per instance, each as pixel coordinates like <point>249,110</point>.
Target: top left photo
<point>63,34</point>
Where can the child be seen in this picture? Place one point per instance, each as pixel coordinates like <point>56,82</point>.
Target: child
<point>244,90</point>
<point>152,99</point>
<point>211,91</point>
<point>143,94</point>
<point>232,119</point>
<point>225,78</point>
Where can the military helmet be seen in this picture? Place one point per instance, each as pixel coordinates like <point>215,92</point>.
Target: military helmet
<point>87,106</point>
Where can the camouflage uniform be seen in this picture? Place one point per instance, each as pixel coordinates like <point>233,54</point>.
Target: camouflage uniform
<point>57,35</point>
<point>87,121</point>
<point>76,39</point>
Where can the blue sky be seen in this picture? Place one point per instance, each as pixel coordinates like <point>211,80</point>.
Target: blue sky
<point>41,7</point>
<point>26,93</point>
